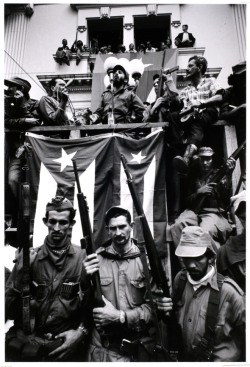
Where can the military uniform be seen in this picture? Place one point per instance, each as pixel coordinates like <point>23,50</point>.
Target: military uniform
<point>59,291</point>
<point>123,284</point>
<point>191,308</point>
<point>126,105</point>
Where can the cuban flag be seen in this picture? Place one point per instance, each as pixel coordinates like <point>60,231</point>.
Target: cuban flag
<point>102,179</point>
<point>152,62</point>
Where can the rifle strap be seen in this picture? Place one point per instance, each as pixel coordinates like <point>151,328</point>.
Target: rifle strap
<point>206,345</point>
<point>141,246</point>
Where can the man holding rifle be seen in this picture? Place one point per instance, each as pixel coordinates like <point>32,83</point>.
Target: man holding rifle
<point>210,308</point>
<point>211,198</point>
<point>59,293</point>
<point>126,316</point>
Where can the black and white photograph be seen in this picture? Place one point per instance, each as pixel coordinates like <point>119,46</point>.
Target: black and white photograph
<point>124,183</point>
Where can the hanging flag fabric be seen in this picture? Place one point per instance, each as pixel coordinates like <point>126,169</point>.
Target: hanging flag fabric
<point>102,179</point>
<point>152,65</point>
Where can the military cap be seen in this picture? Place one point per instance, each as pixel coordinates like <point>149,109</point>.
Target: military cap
<point>18,81</point>
<point>205,152</point>
<point>194,242</point>
<point>116,210</point>
<point>59,203</point>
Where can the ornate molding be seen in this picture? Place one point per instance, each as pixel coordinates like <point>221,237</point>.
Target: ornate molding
<point>152,9</point>
<point>105,12</point>
<point>81,28</point>
<point>128,26</point>
<point>175,23</point>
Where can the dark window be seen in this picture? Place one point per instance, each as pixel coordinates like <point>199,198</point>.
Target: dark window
<point>107,31</point>
<point>151,28</point>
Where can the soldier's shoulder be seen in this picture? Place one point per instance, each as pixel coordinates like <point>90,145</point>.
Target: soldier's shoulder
<point>229,283</point>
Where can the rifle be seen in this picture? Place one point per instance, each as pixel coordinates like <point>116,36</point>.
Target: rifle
<point>157,270</point>
<point>23,233</point>
<point>217,177</point>
<point>87,242</point>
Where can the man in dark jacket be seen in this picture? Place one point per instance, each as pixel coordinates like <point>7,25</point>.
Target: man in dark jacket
<point>184,39</point>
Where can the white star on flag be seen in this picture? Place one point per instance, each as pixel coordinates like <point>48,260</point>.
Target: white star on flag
<point>65,160</point>
<point>145,65</point>
<point>138,157</point>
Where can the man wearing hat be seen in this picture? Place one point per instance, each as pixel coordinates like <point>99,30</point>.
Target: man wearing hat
<point>210,308</point>
<point>168,102</point>
<point>231,257</point>
<point>126,314</point>
<point>127,106</point>
<point>211,200</point>
<point>20,113</point>
<point>59,292</point>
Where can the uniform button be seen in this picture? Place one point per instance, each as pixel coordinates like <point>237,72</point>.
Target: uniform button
<point>55,280</point>
<point>189,320</point>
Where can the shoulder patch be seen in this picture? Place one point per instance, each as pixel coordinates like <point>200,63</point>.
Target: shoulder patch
<point>234,284</point>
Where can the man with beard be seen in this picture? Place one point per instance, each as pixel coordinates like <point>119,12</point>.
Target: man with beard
<point>210,308</point>
<point>202,95</point>
<point>59,293</point>
<point>126,314</point>
<point>125,105</point>
<point>215,198</point>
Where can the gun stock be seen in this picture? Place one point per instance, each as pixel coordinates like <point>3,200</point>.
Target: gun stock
<point>157,270</point>
<point>218,176</point>
<point>87,242</point>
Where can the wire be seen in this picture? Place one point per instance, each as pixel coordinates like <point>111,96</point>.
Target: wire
<point>25,71</point>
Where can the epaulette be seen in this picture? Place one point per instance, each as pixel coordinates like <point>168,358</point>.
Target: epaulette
<point>234,284</point>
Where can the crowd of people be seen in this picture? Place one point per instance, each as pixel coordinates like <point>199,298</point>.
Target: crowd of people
<point>208,297</point>
<point>64,53</point>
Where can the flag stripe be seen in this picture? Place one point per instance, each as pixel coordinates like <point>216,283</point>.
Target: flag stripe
<point>47,190</point>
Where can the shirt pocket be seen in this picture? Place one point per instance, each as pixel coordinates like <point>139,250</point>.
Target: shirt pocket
<point>138,289</point>
<point>107,287</point>
<point>41,291</point>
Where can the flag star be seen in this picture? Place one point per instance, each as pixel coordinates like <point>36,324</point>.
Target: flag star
<point>138,157</point>
<point>65,160</point>
<point>145,65</point>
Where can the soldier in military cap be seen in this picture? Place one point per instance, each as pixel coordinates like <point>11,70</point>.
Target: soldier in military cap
<point>210,308</point>
<point>126,314</point>
<point>212,216</point>
<point>127,106</point>
<point>20,113</point>
<point>59,292</point>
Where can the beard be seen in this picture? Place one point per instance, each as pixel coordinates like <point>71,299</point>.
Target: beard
<point>118,82</point>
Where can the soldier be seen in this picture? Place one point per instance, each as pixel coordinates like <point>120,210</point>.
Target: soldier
<point>126,314</point>
<point>210,308</point>
<point>20,114</point>
<point>215,198</point>
<point>127,106</point>
<point>60,294</point>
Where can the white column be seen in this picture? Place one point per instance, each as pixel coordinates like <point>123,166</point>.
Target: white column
<point>128,34</point>
<point>240,23</point>
<point>15,35</point>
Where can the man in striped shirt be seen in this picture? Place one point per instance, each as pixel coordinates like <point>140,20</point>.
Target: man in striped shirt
<point>203,95</point>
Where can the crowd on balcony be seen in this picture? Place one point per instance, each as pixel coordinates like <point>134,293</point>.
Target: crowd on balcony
<point>199,226</point>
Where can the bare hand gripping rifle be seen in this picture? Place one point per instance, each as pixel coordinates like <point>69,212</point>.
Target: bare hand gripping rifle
<point>157,270</point>
<point>218,176</point>
<point>87,242</point>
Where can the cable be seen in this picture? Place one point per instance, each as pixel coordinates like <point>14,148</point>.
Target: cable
<point>25,71</point>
